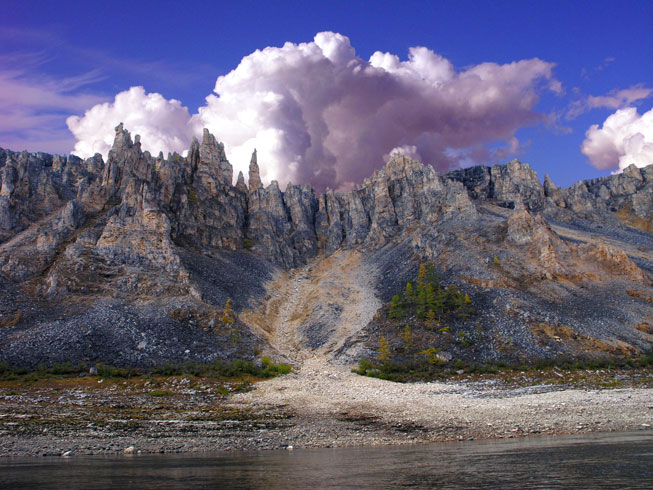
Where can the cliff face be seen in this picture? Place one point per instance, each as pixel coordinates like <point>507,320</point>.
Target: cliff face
<point>141,230</point>
<point>191,200</point>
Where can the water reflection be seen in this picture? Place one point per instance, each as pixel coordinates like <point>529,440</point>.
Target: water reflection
<point>594,461</point>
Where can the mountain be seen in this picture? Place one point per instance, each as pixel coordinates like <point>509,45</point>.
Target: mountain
<point>131,261</point>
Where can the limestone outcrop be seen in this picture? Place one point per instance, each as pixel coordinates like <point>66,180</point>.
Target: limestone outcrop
<point>192,201</point>
<point>176,230</point>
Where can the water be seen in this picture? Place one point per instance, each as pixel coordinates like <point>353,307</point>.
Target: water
<point>586,461</point>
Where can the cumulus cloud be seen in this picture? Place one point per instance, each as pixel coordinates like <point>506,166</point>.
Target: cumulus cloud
<point>316,112</point>
<point>625,138</point>
<point>162,124</point>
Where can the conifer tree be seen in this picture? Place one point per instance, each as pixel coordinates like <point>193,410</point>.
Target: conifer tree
<point>421,275</point>
<point>432,276</point>
<point>410,292</point>
<point>466,306</point>
<point>384,349</point>
<point>421,303</point>
<point>439,303</point>
<point>408,337</point>
<point>430,296</point>
<point>228,314</point>
<point>396,309</point>
<point>451,298</point>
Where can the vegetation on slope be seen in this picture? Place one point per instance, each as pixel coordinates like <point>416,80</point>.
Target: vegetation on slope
<point>428,331</point>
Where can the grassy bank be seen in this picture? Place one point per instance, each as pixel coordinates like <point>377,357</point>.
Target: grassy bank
<point>595,372</point>
<point>219,370</point>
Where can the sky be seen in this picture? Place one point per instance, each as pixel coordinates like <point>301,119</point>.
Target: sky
<point>326,91</point>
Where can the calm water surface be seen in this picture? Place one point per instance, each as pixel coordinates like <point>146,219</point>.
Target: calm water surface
<point>588,461</point>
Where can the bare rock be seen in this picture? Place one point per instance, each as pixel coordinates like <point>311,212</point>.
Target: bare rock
<point>240,182</point>
<point>614,260</point>
<point>516,181</point>
<point>254,174</point>
<point>213,160</point>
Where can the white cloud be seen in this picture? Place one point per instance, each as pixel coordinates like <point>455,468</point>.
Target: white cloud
<point>31,106</point>
<point>625,138</point>
<point>620,98</point>
<point>162,124</point>
<point>615,99</point>
<point>318,113</point>
<point>407,150</point>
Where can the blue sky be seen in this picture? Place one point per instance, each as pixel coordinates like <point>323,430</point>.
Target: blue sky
<point>64,57</point>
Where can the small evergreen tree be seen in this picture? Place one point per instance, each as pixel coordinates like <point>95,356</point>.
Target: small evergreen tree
<point>421,275</point>
<point>430,316</point>
<point>466,306</point>
<point>438,307</point>
<point>421,303</point>
<point>410,292</point>
<point>432,276</point>
<point>430,296</point>
<point>228,317</point>
<point>384,349</point>
<point>396,307</point>
<point>408,337</point>
<point>452,298</point>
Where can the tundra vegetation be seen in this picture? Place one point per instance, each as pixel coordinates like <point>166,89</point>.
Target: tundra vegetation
<point>250,371</point>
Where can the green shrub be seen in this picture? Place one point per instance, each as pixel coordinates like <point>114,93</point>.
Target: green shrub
<point>106,371</point>
<point>65,368</point>
<point>363,366</point>
<point>266,361</point>
<point>159,393</point>
<point>284,369</point>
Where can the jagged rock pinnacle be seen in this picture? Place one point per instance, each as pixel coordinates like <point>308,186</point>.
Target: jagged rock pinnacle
<point>122,140</point>
<point>210,150</point>
<point>549,186</point>
<point>194,153</point>
<point>214,158</point>
<point>254,174</point>
<point>240,183</point>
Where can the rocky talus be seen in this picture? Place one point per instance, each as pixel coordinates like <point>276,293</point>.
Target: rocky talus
<point>131,261</point>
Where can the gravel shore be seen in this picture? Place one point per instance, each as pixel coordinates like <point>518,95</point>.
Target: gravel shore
<point>321,405</point>
<point>329,398</point>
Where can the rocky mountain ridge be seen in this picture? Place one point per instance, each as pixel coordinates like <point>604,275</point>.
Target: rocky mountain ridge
<point>173,232</point>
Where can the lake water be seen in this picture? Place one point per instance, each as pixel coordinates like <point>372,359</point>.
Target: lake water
<point>584,461</point>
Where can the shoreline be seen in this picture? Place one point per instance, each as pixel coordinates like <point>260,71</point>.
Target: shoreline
<point>321,405</point>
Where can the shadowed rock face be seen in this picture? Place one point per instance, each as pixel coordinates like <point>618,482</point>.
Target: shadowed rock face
<point>79,232</point>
